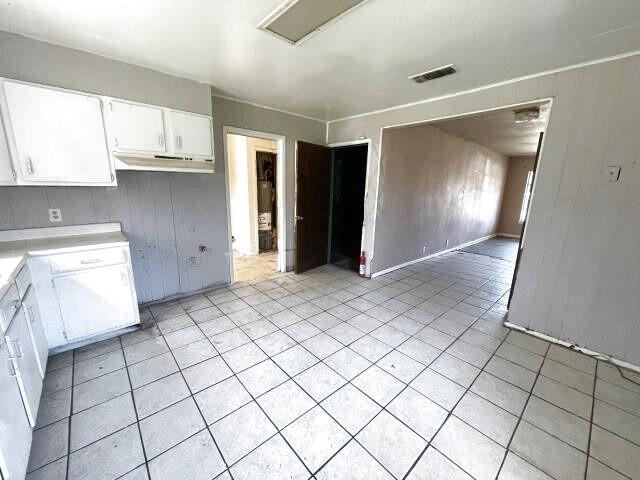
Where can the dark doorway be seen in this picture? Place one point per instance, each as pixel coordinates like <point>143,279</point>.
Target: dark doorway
<point>347,205</point>
<point>267,211</point>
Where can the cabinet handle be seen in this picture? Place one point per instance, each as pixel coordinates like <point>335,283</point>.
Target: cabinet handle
<point>13,371</point>
<point>179,141</point>
<point>18,349</point>
<point>161,139</point>
<point>89,262</point>
<point>29,166</point>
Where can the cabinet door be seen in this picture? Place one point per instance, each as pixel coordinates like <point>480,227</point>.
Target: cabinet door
<point>95,301</point>
<point>29,379</point>
<point>137,128</point>
<point>15,431</point>
<point>36,330</point>
<point>59,136</point>
<point>6,169</point>
<point>191,134</point>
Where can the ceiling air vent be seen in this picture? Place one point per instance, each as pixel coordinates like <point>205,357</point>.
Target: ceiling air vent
<point>433,74</point>
<point>297,20</point>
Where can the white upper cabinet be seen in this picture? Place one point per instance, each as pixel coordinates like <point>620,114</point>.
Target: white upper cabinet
<point>58,136</point>
<point>6,169</point>
<point>137,128</point>
<point>191,134</point>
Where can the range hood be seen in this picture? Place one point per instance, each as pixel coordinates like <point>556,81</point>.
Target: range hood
<point>162,163</point>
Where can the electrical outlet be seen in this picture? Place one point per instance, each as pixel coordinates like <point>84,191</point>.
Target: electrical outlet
<point>55,215</point>
<point>193,262</point>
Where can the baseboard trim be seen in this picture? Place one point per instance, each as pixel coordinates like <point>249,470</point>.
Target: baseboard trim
<point>433,255</point>
<point>508,235</point>
<point>573,346</point>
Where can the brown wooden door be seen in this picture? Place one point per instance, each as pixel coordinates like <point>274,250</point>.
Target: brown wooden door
<point>313,184</point>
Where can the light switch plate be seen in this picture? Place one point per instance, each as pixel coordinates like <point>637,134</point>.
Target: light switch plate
<point>55,215</point>
<point>612,173</point>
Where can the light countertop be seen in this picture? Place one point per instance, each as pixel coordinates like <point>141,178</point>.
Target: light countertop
<point>13,254</point>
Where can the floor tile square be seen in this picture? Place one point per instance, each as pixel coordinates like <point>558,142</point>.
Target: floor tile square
<point>547,453</point>
<point>438,388</point>
<point>97,366</point>
<point>295,360</point>
<point>364,322</point>
<point>455,369</point>
<point>100,390</point>
<point>501,393</point>
<point>243,357</point>
<point>370,348</point>
<point>345,333</point>
<point>109,457</point>
<point>143,350</point>
<point>515,468</point>
<point>52,471</point>
<point>419,351</point>
<point>207,373</point>
<point>435,466</point>
<point>152,369</point>
<point>571,377</point>
<point>493,421</point>
<point>160,394</point>
<point>353,462</point>
<point>435,338</point>
<point>101,420</point>
<point>175,323</point>
<point>565,397</point>
<point>221,399</point>
<point>285,403</point>
<point>262,377</point>
<point>206,315</point>
<point>351,408</point>
<point>378,384</point>
<point>165,429</point>
<point>275,343</point>
<point>393,444</point>
<point>183,337</point>
<point>418,412</point>
<point>259,328</point>
<point>347,363</point>
<point>242,431</point>
<point>193,353</point>
<point>197,458</point>
<point>54,407</point>
<point>49,443</point>
<point>319,381</point>
<point>564,425</point>
<point>615,452</point>
<point>520,356</point>
<point>322,345</point>
<point>316,437</point>
<point>613,419</point>
<point>389,335</point>
<point>225,341</point>
<point>511,372</point>
<point>399,365</point>
<point>469,449</point>
<point>273,460</point>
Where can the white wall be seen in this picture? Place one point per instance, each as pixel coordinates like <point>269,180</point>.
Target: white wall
<point>243,189</point>
<point>579,277</point>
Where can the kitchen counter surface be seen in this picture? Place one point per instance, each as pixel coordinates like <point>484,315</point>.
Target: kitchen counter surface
<point>14,253</point>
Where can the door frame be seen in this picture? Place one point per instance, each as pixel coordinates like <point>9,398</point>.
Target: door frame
<point>353,143</point>
<point>280,192</point>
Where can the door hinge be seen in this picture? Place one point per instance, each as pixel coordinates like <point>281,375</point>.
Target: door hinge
<point>14,174</point>
<point>113,177</point>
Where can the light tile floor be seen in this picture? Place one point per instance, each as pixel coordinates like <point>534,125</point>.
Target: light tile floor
<point>249,268</point>
<point>328,376</point>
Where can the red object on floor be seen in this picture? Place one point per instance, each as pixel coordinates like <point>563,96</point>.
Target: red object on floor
<point>363,262</point>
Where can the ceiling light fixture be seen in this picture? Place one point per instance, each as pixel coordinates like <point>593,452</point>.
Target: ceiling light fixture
<point>295,21</point>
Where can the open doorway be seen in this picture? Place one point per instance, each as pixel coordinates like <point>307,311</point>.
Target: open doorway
<point>330,193</point>
<point>464,185</point>
<point>348,183</point>
<point>255,193</point>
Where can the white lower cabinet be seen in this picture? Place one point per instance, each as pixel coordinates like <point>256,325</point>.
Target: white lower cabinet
<point>95,300</point>
<point>28,374</point>
<point>36,329</point>
<point>15,431</point>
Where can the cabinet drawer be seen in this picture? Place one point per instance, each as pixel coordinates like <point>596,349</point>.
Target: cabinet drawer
<point>68,262</point>
<point>23,280</point>
<point>8,306</point>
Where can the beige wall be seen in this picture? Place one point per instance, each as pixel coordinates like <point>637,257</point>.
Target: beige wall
<point>519,168</point>
<point>579,277</point>
<point>243,115</point>
<point>440,191</point>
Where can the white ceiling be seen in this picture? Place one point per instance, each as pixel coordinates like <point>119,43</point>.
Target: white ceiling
<point>498,131</point>
<point>358,64</point>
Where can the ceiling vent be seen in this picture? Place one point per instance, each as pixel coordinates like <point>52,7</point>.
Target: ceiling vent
<point>297,20</point>
<point>433,74</point>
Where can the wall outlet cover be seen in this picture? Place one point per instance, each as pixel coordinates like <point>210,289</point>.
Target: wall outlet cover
<point>193,262</point>
<point>55,215</point>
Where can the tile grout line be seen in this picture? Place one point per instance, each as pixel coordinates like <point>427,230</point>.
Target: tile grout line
<point>593,407</point>
<point>513,434</point>
<point>73,370</point>
<point>135,411</point>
